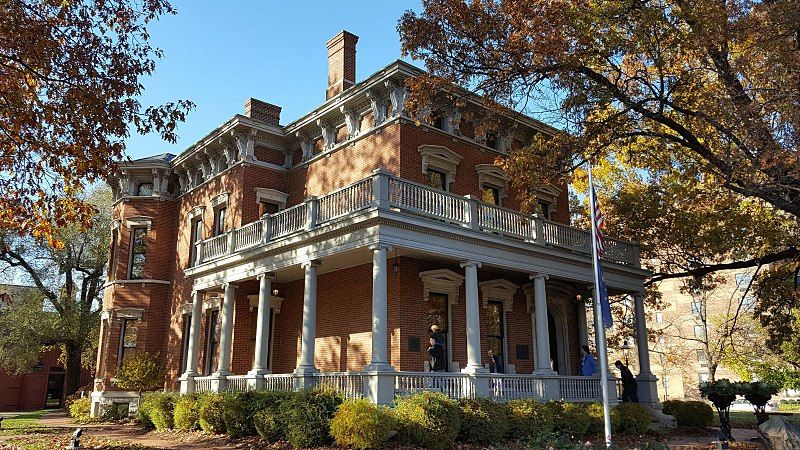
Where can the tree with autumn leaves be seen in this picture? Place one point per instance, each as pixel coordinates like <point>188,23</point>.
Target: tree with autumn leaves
<point>688,109</point>
<point>70,75</point>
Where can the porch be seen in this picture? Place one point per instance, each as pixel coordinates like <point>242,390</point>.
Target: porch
<point>498,387</point>
<point>467,254</point>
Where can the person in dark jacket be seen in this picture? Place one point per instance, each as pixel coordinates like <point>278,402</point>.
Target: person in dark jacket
<point>437,334</point>
<point>629,385</point>
<point>436,355</point>
<point>495,363</point>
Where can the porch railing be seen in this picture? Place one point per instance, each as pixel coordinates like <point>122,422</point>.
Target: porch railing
<point>512,387</point>
<point>202,384</point>
<point>453,385</point>
<point>385,192</point>
<point>236,383</point>
<point>349,384</point>
<point>579,389</point>
<point>279,382</point>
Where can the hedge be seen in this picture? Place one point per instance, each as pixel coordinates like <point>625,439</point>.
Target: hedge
<point>241,408</point>
<point>690,414</point>
<point>212,408</point>
<point>483,421</point>
<point>361,424</point>
<point>571,419</point>
<point>429,420</point>
<point>529,418</point>
<point>307,416</point>
<point>187,413</point>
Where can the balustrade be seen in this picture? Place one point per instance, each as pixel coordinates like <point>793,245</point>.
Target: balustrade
<point>415,199</point>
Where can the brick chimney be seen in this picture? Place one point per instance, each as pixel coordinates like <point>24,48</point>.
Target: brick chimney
<point>262,111</point>
<point>341,63</point>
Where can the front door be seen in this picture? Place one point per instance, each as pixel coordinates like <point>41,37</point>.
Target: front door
<point>55,390</point>
<point>495,336</point>
<point>551,326</point>
<point>438,315</point>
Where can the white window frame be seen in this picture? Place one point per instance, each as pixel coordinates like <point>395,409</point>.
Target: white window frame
<point>441,159</point>
<point>490,175</point>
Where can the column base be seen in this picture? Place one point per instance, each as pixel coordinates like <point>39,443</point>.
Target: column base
<point>187,383</point>
<point>304,377</point>
<point>648,390</point>
<point>219,381</point>
<point>379,384</point>
<point>545,373</point>
<point>255,378</point>
<point>474,369</point>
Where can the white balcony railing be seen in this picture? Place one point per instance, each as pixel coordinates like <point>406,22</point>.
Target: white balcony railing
<point>579,389</point>
<point>383,192</point>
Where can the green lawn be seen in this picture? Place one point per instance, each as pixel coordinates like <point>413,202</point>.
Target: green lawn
<point>14,425</point>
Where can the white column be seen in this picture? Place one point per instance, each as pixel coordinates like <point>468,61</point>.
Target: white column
<point>473,317</point>
<point>226,332</point>
<point>583,329</point>
<point>380,301</point>
<point>194,333</point>
<point>263,332</point>
<point>309,318</point>
<point>641,334</point>
<point>542,327</point>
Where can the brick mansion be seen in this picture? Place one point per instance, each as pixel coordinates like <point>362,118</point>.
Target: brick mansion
<point>320,252</point>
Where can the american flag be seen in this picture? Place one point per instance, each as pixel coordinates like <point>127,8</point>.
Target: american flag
<point>598,242</point>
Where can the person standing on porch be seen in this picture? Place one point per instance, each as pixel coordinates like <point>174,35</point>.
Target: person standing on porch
<point>495,364</point>
<point>629,384</point>
<point>436,355</point>
<point>438,335</point>
<point>588,363</point>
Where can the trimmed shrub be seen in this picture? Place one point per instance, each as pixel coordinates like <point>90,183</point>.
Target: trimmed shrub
<point>596,420</point>
<point>268,425</point>
<point>631,418</point>
<point>690,414</point>
<point>187,413</point>
<point>570,419</point>
<point>308,415</point>
<point>143,412</point>
<point>241,408</point>
<point>162,410</point>
<point>429,420</point>
<point>212,409</point>
<point>529,418</point>
<point>483,421</point>
<point>362,424</point>
<point>81,409</point>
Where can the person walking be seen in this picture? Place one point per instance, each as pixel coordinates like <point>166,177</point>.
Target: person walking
<point>437,334</point>
<point>588,364</point>
<point>629,385</point>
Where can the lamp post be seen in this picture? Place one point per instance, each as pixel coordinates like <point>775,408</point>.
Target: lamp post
<point>626,348</point>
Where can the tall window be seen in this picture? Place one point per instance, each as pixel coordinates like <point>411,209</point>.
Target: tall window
<point>212,342</point>
<point>438,315</point>
<point>491,139</point>
<point>196,236</point>
<point>437,179</point>
<point>495,330</point>
<point>659,317</point>
<point>547,210</point>
<point>491,194</point>
<point>702,356</point>
<point>697,308</point>
<point>187,328</point>
<point>138,252</point>
<point>219,220</point>
<point>743,281</point>
<point>127,342</point>
<point>113,253</point>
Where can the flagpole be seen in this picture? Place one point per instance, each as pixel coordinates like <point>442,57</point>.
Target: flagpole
<point>599,326</point>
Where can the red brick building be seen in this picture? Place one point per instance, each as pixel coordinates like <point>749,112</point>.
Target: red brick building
<point>322,251</point>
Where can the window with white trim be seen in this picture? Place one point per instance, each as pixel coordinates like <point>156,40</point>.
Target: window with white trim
<point>219,220</point>
<point>186,329</point>
<point>493,183</point>
<point>196,235</point>
<point>138,253</point>
<point>439,165</point>
<point>659,317</point>
<point>128,335</point>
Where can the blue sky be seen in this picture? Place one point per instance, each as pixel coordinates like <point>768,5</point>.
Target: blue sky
<point>218,54</point>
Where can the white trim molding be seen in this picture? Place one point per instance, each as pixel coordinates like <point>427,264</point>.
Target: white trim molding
<point>136,281</point>
<point>220,200</point>
<point>493,176</point>
<point>195,212</point>
<point>211,303</point>
<point>440,158</point>
<point>128,313</point>
<point>139,221</point>
<point>273,196</point>
<point>443,281</point>
<point>499,290</point>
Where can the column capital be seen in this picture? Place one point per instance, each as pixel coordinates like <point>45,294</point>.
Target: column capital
<point>197,291</point>
<point>540,275</point>
<point>311,263</point>
<point>380,246</point>
<point>470,262</point>
<point>229,284</point>
<point>638,296</point>
<point>268,275</point>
